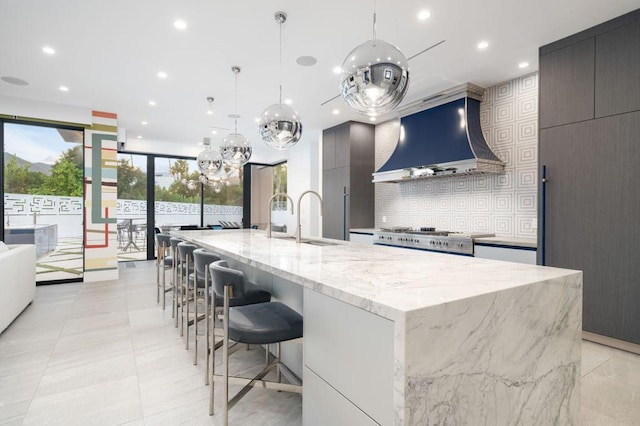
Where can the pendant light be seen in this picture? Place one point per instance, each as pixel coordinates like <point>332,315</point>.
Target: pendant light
<point>235,149</point>
<point>209,161</point>
<point>375,76</point>
<point>280,125</point>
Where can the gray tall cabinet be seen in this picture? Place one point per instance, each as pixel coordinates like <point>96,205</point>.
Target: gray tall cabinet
<point>348,155</point>
<point>590,143</point>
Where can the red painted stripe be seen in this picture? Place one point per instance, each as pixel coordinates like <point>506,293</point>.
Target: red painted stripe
<point>104,114</point>
<point>106,228</point>
<point>109,149</point>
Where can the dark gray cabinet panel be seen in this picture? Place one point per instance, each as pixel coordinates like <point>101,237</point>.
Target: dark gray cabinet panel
<point>329,149</point>
<point>567,89</point>
<point>592,217</point>
<point>333,218</point>
<point>343,145</point>
<point>354,156</point>
<point>618,71</point>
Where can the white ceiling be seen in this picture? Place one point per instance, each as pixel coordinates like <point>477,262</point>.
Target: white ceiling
<point>109,53</point>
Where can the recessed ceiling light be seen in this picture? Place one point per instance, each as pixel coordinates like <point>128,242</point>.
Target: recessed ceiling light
<point>483,44</point>
<point>14,80</point>
<point>144,123</point>
<point>372,119</point>
<point>523,64</point>
<point>257,120</point>
<point>152,103</point>
<point>306,61</point>
<point>336,111</point>
<point>337,70</point>
<point>214,132</point>
<point>288,101</point>
<point>423,15</point>
<point>139,137</point>
<point>49,50</point>
<point>209,112</point>
<point>63,88</point>
<point>180,24</point>
<point>162,74</point>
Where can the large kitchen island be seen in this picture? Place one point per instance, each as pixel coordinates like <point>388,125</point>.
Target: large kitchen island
<point>405,337</point>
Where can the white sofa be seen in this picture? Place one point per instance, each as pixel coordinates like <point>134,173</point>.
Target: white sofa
<point>17,281</point>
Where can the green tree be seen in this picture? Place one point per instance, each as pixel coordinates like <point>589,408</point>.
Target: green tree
<point>65,179</point>
<point>280,178</point>
<point>230,195</point>
<point>132,182</point>
<point>74,156</point>
<point>179,190</point>
<point>21,180</point>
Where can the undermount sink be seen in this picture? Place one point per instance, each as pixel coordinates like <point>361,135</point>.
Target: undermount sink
<point>319,243</point>
<point>311,242</point>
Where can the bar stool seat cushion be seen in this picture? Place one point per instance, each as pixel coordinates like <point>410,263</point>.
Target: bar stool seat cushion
<point>168,261</point>
<point>264,323</point>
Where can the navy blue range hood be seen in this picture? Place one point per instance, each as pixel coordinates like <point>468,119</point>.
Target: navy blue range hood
<point>441,141</point>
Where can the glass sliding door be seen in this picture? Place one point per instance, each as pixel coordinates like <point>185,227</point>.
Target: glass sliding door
<point>177,193</point>
<point>43,196</point>
<point>223,202</point>
<point>132,207</point>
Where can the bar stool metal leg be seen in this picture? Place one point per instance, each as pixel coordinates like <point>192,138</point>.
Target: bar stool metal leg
<point>225,359</point>
<point>185,285</point>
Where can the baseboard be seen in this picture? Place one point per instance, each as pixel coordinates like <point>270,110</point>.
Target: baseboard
<point>610,341</point>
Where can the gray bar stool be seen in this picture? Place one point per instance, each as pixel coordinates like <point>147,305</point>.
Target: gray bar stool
<point>251,294</point>
<point>174,276</point>
<point>164,262</point>
<point>201,261</point>
<point>258,324</point>
<point>184,268</point>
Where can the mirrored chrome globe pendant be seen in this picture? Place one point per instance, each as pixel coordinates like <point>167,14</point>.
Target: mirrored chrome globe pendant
<point>280,125</point>
<point>235,149</point>
<point>209,161</point>
<point>375,77</point>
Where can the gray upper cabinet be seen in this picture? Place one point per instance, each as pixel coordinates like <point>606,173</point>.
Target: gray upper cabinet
<point>618,71</point>
<point>349,155</point>
<point>567,91</point>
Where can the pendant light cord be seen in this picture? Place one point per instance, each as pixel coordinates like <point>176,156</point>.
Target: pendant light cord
<point>235,119</point>
<point>374,22</point>
<point>280,63</point>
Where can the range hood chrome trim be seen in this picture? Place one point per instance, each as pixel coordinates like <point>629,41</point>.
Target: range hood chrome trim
<point>484,161</point>
<point>454,168</point>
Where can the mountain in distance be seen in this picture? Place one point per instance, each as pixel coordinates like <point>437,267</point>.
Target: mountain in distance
<point>34,167</point>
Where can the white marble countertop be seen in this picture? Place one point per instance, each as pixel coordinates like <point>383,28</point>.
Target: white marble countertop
<point>387,281</point>
<point>508,241</point>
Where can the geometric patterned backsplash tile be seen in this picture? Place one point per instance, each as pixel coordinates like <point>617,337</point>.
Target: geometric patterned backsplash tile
<point>504,204</point>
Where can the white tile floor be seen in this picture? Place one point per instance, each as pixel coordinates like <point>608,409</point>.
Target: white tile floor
<point>105,353</point>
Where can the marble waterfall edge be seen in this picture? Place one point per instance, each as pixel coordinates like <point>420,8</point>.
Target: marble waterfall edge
<point>505,358</point>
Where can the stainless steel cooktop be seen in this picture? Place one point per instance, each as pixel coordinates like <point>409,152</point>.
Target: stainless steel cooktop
<point>428,239</point>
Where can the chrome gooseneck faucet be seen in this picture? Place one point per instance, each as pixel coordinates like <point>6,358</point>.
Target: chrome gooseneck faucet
<point>279,194</point>
<point>299,227</point>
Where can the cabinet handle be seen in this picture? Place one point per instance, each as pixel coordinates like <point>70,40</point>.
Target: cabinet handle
<point>543,215</point>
